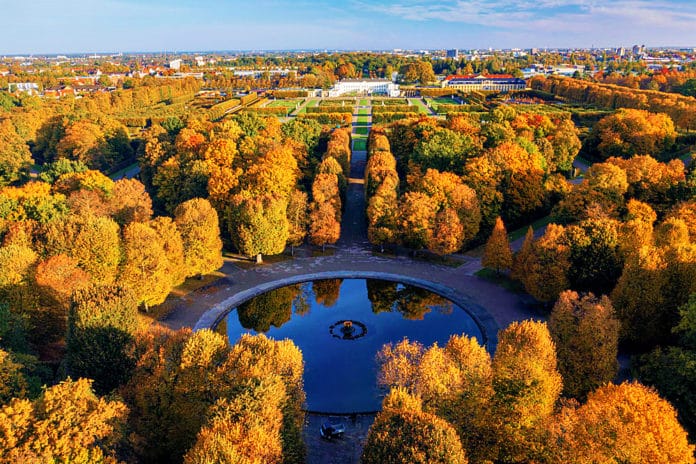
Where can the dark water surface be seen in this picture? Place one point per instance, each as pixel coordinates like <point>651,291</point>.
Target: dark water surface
<point>340,368</point>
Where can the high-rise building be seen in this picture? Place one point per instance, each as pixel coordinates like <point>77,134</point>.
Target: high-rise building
<point>454,53</point>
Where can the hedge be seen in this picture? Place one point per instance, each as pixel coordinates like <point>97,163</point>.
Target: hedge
<point>437,92</point>
<point>289,93</point>
<point>343,119</point>
<point>330,109</point>
<point>382,118</point>
<point>392,109</point>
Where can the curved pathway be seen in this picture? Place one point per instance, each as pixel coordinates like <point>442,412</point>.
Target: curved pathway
<point>503,306</point>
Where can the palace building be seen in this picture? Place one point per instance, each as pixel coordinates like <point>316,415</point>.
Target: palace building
<point>472,82</point>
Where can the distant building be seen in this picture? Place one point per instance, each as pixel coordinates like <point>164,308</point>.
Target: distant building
<point>365,87</point>
<point>454,54</point>
<point>175,64</point>
<point>472,83</point>
<point>27,87</point>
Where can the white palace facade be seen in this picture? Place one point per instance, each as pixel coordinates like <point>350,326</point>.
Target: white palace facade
<point>364,87</point>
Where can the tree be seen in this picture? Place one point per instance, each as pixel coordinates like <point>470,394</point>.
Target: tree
<point>404,436</point>
<point>101,325</point>
<point>173,246</point>
<point>93,241</point>
<point>83,141</point>
<point>145,268</point>
<point>130,202</point>
<point>622,423</point>
<point>297,218</point>
<point>258,224</point>
<point>448,233</point>
<point>324,228</point>
<point>399,365</point>
<point>548,265</point>
<point>418,213</point>
<point>672,371</point>
<point>631,132</point>
<point>497,254</point>
<point>526,387</point>
<point>67,423</point>
<point>595,258</point>
<point>586,335</point>
<point>197,222</point>
<point>639,300</point>
<point>15,158</point>
<point>245,429</point>
<point>521,261</point>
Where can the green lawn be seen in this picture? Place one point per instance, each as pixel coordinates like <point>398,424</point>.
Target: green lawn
<point>418,103</point>
<point>364,102</point>
<point>363,112</point>
<point>361,130</point>
<point>363,119</point>
<point>314,102</point>
<point>359,144</point>
<point>284,103</point>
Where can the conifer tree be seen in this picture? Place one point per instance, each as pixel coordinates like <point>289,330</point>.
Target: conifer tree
<point>497,254</point>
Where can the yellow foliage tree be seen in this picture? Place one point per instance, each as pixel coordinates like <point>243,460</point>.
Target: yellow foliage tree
<point>497,254</point>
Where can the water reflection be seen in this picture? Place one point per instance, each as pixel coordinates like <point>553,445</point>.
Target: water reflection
<point>412,302</point>
<point>276,307</point>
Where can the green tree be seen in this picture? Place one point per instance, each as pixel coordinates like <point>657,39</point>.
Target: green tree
<point>101,325</point>
<point>258,224</point>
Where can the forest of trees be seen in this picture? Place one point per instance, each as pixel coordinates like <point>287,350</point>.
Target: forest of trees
<point>86,378</point>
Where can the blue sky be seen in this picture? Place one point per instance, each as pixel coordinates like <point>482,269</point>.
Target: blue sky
<point>64,26</point>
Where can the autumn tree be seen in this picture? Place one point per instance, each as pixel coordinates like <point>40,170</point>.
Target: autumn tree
<point>297,217</point>
<point>526,387</point>
<point>129,202</point>
<point>144,268</point>
<point>497,254</point>
<point>548,265</point>
<point>522,258</point>
<point>447,234</point>
<point>93,241</point>
<point>621,423</point>
<point>197,222</point>
<point>67,423</point>
<point>586,335</point>
<point>324,227</point>
<point>101,325</point>
<point>418,212</point>
<point>405,435</point>
<point>173,246</point>
<point>244,429</point>
<point>631,132</point>
<point>15,157</point>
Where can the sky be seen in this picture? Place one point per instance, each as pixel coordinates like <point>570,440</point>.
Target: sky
<point>74,26</point>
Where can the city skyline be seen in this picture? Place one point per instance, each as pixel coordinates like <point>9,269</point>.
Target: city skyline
<point>75,26</point>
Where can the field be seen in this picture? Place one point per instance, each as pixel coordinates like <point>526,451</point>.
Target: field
<point>363,112</point>
<point>361,130</point>
<point>363,120</point>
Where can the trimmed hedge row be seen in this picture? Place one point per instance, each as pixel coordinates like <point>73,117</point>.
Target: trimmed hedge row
<point>382,118</point>
<point>330,109</point>
<point>392,109</point>
<point>343,119</point>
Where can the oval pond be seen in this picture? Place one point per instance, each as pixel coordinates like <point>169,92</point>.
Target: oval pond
<point>340,325</point>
